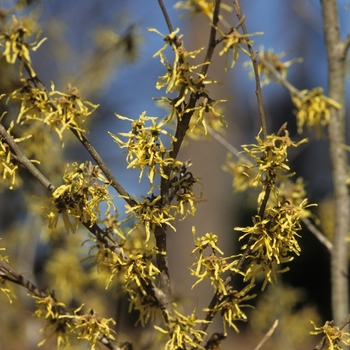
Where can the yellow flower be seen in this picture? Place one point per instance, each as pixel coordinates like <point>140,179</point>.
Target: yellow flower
<point>80,197</point>
<point>60,111</point>
<point>145,146</point>
<point>182,332</point>
<point>272,240</point>
<point>274,59</point>
<point>313,109</point>
<point>205,7</point>
<point>333,335</point>
<point>90,326</point>
<point>235,42</point>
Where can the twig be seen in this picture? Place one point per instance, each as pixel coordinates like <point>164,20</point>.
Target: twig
<point>212,38</point>
<point>105,169</point>
<point>318,234</point>
<point>166,16</point>
<point>253,56</point>
<point>267,336</point>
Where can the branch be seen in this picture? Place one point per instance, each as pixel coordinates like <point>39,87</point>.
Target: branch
<point>336,135</point>
<point>319,235</point>
<point>267,336</point>
<point>212,38</point>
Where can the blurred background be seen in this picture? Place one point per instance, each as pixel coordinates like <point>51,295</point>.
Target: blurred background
<point>105,50</point>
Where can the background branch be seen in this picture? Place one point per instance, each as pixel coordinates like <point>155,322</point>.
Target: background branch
<point>336,135</point>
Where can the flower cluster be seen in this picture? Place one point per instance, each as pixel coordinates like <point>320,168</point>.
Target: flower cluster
<point>181,190</point>
<point>188,81</point>
<point>234,41</point>
<point>137,273</point>
<point>90,326</point>
<point>229,306</point>
<point>274,59</point>
<point>145,148</point>
<point>272,240</point>
<point>150,213</point>
<point>51,310</point>
<point>8,164</point>
<point>212,266</point>
<point>17,48</point>
<point>270,156</point>
<point>333,335</point>
<point>80,197</point>
<point>60,111</point>
<point>182,332</point>
<point>203,7</point>
<point>313,109</point>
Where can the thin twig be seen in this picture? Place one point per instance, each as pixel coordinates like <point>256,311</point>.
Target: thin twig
<point>253,56</point>
<point>166,16</point>
<point>105,169</point>
<point>212,38</point>
<point>318,234</point>
<point>267,336</point>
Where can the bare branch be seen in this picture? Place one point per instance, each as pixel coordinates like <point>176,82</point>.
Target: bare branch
<point>253,56</point>
<point>166,16</point>
<point>267,336</point>
<point>318,234</point>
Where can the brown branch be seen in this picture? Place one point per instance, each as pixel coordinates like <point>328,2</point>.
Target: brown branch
<point>336,136</point>
<point>7,272</point>
<point>212,38</point>
<point>253,56</point>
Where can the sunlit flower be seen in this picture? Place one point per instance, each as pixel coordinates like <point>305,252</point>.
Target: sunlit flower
<point>205,7</point>
<point>333,335</point>
<point>90,326</point>
<point>60,111</point>
<point>80,197</point>
<point>235,42</point>
<point>182,332</point>
<point>313,109</point>
<point>145,148</point>
<point>272,240</point>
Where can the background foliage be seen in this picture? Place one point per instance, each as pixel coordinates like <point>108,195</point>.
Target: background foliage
<point>106,52</point>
